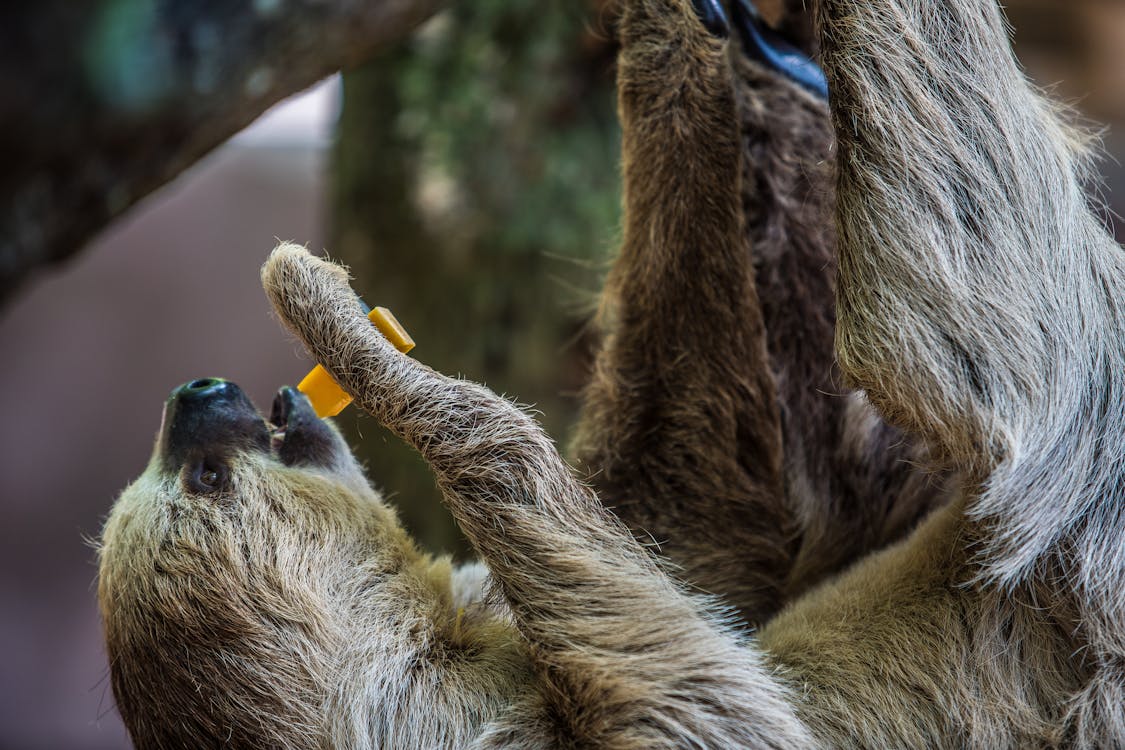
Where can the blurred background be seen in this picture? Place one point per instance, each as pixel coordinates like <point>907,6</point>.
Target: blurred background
<point>467,173</point>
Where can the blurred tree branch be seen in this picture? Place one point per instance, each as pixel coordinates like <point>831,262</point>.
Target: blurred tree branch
<point>102,102</point>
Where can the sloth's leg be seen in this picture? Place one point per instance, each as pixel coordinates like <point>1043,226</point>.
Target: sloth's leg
<point>627,659</point>
<point>980,302</point>
<point>680,426</point>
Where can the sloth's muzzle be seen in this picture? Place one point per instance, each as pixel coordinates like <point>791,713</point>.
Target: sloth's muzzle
<point>211,419</point>
<point>209,416</point>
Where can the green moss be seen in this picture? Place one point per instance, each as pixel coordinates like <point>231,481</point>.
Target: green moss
<point>476,187</point>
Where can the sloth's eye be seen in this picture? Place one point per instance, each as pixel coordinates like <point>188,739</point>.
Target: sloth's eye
<point>206,475</point>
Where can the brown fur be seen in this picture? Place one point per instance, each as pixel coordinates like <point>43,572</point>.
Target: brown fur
<point>978,308</point>
<point>856,483</point>
<point>850,483</point>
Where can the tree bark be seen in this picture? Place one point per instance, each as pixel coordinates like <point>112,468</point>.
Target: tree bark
<point>103,102</point>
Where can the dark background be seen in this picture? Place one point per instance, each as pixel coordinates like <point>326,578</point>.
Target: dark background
<point>473,187</point>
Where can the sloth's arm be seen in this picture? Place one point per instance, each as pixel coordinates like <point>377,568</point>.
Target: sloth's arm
<point>979,300</point>
<point>680,427</point>
<point>680,431</point>
<point>628,659</point>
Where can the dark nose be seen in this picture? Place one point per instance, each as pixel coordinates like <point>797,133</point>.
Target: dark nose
<point>203,386</point>
<point>210,417</point>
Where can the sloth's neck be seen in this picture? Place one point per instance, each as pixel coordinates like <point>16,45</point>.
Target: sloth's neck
<point>425,660</point>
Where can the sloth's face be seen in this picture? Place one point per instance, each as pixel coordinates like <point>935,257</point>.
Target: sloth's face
<point>220,471</point>
<point>210,430</point>
<point>236,555</point>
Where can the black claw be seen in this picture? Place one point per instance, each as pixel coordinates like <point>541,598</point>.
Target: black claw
<point>713,17</point>
<point>762,43</point>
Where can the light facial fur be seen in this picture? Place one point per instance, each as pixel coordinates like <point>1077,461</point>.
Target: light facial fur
<point>978,309</point>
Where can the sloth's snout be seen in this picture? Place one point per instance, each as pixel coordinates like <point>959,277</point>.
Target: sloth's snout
<point>300,437</point>
<point>209,417</point>
<point>206,388</point>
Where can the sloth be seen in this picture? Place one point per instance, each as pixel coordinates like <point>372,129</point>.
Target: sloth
<point>908,535</point>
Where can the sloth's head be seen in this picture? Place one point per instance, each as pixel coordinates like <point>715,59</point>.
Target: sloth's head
<point>233,568</point>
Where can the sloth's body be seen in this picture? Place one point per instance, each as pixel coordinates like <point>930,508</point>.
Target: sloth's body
<point>258,593</point>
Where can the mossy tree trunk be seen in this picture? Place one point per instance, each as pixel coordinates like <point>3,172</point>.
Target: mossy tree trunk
<point>475,189</point>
